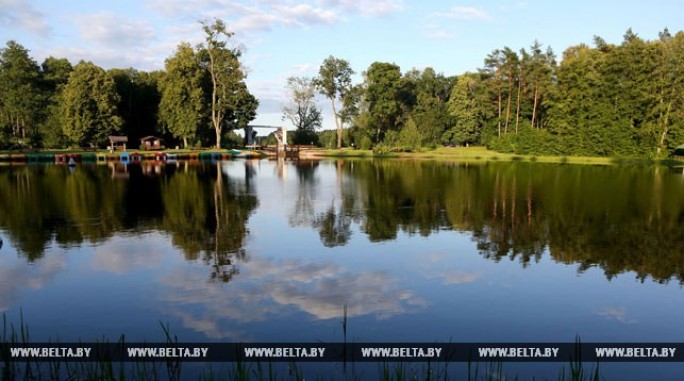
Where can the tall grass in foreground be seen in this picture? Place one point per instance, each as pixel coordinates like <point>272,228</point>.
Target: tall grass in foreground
<point>108,370</point>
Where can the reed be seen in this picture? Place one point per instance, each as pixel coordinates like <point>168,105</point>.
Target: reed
<point>108,370</point>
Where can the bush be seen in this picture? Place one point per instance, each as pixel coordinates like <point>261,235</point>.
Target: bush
<point>365,143</point>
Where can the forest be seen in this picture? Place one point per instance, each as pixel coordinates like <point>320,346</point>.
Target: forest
<point>618,100</point>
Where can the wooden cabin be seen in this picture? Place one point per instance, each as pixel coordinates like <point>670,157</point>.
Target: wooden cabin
<point>149,143</point>
<point>679,152</point>
<point>117,143</point>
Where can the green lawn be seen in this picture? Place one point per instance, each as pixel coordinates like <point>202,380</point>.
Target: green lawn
<point>483,154</point>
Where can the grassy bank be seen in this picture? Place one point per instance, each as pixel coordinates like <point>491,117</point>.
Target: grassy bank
<point>478,154</point>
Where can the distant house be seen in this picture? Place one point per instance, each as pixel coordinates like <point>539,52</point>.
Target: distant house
<point>679,152</point>
<point>117,143</point>
<point>151,143</point>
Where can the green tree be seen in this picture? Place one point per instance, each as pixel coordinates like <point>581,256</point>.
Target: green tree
<point>182,109</point>
<point>139,101</point>
<point>493,75</point>
<point>223,66</point>
<point>55,75</point>
<point>334,81</point>
<point>302,111</point>
<point>244,110</point>
<point>430,113</point>
<point>540,70</point>
<point>383,86</point>
<point>510,70</point>
<point>89,105</point>
<point>669,110</point>
<point>20,96</point>
<point>463,108</point>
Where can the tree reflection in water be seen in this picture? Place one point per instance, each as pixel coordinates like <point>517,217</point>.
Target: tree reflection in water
<point>204,211</point>
<point>622,218</point>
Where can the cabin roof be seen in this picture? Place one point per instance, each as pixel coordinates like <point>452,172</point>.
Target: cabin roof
<point>150,138</point>
<point>118,139</point>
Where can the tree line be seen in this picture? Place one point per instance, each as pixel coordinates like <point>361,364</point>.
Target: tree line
<point>606,100</point>
<point>622,99</point>
<point>57,104</point>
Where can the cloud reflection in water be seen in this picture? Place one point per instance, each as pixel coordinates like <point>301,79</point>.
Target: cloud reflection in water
<point>266,286</point>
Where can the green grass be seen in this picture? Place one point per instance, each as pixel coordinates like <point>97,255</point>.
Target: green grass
<point>482,154</point>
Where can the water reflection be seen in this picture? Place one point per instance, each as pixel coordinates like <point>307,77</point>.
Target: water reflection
<point>617,313</point>
<point>617,218</point>
<point>123,255</point>
<point>15,277</point>
<point>270,289</point>
<point>207,219</point>
<point>203,210</point>
<point>39,204</point>
<point>422,251</point>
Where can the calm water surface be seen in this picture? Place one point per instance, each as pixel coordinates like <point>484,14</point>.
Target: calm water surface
<point>418,251</point>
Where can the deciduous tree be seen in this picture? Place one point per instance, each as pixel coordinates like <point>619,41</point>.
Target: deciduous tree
<point>334,81</point>
<point>223,66</point>
<point>302,111</point>
<point>20,95</point>
<point>183,106</point>
<point>89,105</point>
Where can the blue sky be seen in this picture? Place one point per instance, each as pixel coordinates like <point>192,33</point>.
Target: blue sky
<point>292,38</point>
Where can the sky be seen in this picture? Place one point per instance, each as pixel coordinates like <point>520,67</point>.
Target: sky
<point>292,37</point>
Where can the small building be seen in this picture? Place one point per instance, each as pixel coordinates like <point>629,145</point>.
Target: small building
<point>151,143</point>
<point>117,143</point>
<point>679,152</point>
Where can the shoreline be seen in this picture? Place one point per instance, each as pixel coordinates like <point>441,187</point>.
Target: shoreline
<point>481,154</point>
<point>457,154</point>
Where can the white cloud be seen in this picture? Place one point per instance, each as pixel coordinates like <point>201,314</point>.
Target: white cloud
<point>264,15</point>
<point>439,35</point>
<point>110,41</point>
<point>271,94</point>
<point>107,58</point>
<point>261,22</point>
<point>184,9</point>
<point>20,14</point>
<point>367,7</point>
<point>110,30</point>
<point>460,12</point>
<point>303,69</point>
<point>305,15</point>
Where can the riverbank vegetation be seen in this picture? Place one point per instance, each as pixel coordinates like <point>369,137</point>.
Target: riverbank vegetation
<point>608,100</point>
<point>620,100</point>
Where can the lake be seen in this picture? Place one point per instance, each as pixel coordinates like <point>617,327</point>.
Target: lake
<point>416,251</point>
